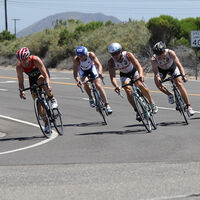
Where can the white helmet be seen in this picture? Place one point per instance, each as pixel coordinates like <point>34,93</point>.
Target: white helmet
<point>114,48</point>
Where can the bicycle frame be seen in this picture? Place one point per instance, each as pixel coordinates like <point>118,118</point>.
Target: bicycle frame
<point>142,106</point>
<point>180,104</point>
<point>51,116</point>
<point>100,106</point>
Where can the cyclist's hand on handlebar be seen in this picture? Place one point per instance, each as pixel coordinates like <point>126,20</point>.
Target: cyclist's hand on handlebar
<point>79,84</point>
<point>117,90</point>
<point>22,95</point>
<point>49,88</point>
<point>184,77</point>
<point>142,78</point>
<point>101,76</point>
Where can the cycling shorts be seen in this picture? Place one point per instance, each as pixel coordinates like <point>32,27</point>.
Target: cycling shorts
<point>172,71</point>
<point>92,72</point>
<point>33,79</point>
<point>126,77</point>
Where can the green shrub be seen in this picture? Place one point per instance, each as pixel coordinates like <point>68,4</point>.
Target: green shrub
<point>163,28</point>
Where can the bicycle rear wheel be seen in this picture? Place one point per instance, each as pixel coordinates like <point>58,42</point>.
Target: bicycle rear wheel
<point>180,105</point>
<point>57,121</point>
<point>142,110</point>
<point>100,105</point>
<point>42,117</point>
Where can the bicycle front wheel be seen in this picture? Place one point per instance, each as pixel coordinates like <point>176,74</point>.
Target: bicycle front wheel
<point>142,110</point>
<point>42,117</point>
<point>180,105</point>
<point>151,117</point>
<point>100,105</point>
<point>57,121</point>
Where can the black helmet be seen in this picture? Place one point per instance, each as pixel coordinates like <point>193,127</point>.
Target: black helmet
<point>159,48</point>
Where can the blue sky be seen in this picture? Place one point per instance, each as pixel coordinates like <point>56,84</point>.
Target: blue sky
<point>31,11</point>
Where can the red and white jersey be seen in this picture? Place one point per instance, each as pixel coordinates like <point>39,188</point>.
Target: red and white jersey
<point>125,66</point>
<point>166,63</point>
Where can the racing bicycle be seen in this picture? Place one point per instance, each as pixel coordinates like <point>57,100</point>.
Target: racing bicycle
<point>180,104</point>
<point>99,104</point>
<point>44,113</point>
<point>143,107</point>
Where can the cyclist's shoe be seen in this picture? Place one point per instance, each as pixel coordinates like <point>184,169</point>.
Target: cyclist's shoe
<point>109,110</point>
<point>54,103</point>
<point>138,118</point>
<point>190,111</point>
<point>171,99</point>
<point>46,130</point>
<point>154,108</point>
<point>91,101</point>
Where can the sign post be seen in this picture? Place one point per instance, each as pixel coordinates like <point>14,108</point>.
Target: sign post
<point>195,43</point>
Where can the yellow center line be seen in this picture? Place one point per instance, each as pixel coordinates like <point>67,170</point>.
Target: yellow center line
<point>74,84</point>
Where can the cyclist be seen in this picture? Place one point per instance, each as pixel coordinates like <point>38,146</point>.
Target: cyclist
<point>129,67</point>
<point>164,61</point>
<point>37,73</point>
<point>86,63</point>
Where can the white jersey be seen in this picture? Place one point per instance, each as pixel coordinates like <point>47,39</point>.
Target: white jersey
<point>164,64</point>
<point>87,64</point>
<point>125,66</point>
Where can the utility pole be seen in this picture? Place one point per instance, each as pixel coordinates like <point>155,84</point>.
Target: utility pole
<point>15,26</point>
<point>6,20</point>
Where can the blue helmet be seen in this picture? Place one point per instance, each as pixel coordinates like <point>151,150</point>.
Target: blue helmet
<point>81,50</point>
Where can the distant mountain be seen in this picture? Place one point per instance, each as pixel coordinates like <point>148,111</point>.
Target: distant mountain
<point>50,21</point>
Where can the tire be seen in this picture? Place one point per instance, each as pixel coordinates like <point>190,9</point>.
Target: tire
<point>100,107</point>
<point>57,121</point>
<point>180,105</point>
<point>142,110</point>
<point>40,119</point>
<point>152,120</point>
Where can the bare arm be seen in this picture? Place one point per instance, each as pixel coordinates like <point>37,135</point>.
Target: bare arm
<point>155,68</point>
<point>94,58</point>
<point>177,62</point>
<point>40,65</point>
<point>20,78</point>
<point>76,64</point>
<point>136,64</point>
<point>112,72</point>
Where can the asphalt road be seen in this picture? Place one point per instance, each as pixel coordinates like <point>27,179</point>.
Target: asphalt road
<point>94,161</point>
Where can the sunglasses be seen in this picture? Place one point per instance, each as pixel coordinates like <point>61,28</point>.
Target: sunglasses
<point>159,53</point>
<point>116,53</point>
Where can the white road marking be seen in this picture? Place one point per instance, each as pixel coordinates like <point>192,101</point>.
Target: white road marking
<point>164,108</point>
<point>5,90</point>
<point>177,197</point>
<point>8,81</point>
<point>53,136</point>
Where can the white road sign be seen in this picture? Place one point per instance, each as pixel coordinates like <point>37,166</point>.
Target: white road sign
<point>195,38</point>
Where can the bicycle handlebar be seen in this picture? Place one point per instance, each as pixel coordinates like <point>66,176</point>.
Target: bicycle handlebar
<point>132,82</point>
<point>171,78</point>
<point>34,86</point>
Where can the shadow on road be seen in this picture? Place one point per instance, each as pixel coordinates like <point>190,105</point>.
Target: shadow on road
<point>21,138</point>
<point>172,124</point>
<point>86,124</point>
<point>115,132</point>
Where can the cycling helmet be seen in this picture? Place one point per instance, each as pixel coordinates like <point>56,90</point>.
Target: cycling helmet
<point>23,53</point>
<point>114,48</point>
<point>81,50</point>
<point>159,48</point>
